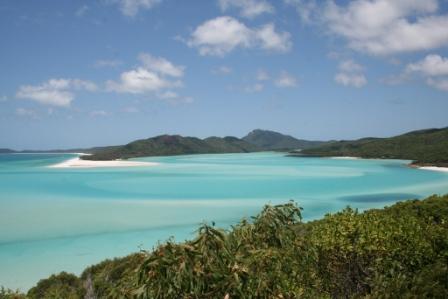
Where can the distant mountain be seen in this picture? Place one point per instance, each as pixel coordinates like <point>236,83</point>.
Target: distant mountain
<point>424,147</point>
<point>6,151</point>
<point>166,145</point>
<point>269,140</point>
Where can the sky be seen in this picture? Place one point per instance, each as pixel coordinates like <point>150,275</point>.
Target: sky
<point>80,73</point>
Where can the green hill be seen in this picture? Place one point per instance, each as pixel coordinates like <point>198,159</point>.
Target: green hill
<point>269,140</point>
<point>166,145</point>
<point>397,252</point>
<point>424,147</point>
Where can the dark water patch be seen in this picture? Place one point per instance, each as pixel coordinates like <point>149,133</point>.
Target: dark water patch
<point>382,197</point>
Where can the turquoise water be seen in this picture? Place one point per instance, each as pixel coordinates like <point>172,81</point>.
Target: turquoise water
<point>66,219</point>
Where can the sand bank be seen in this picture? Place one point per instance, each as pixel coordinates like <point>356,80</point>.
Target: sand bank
<point>435,168</point>
<point>79,163</point>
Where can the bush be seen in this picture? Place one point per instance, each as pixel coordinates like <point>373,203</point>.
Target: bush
<point>397,252</point>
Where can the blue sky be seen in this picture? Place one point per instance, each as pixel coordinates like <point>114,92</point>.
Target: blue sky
<point>87,73</point>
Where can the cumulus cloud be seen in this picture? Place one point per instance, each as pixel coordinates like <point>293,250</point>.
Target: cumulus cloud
<point>431,65</point>
<point>221,35</point>
<point>130,8</point>
<point>286,80</point>
<point>382,27</point>
<point>138,81</point>
<point>271,40</point>
<point>155,75</point>
<point>350,74</point>
<point>247,8</point>
<point>355,80</point>
<point>350,66</point>
<point>161,65</point>
<point>54,92</point>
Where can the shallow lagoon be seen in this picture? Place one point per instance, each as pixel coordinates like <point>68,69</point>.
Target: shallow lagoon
<point>66,219</point>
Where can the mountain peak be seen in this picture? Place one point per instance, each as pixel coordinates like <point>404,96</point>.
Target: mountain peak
<point>271,140</point>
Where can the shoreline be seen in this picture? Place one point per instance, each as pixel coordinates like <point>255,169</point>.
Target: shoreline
<point>432,168</point>
<point>345,158</point>
<point>79,163</point>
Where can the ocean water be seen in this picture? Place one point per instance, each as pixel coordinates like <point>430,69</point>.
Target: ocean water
<point>54,220</point>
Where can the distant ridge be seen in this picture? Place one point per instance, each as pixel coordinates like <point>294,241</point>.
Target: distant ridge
<point>424,147</point>
<point>428,147</point>
<point>166,145</point>
<point>6,151</point>
<point>270,140</point>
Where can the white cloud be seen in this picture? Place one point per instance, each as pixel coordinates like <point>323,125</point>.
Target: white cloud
<point>161,65</point>
<point>26,112</point>
<point>222,70</point>
<point>257,87</point>
<point>441,84</point>
<point>262,75</point>
<point>380,27</point>
<point>431,65</point>
<point>168,95</point>
<point>130,8</point>
<point>55,92</point>
<point>107,63</point>
<point>138,81</point>
<point>383,27</point>
<point>248,8</point>
<point>350,66</point>
<point>221,35</point>
<point>286,80</point>
<point>350,74</point>
<point>155,75</point>
<point>355,80</point>
<point>271,40</point>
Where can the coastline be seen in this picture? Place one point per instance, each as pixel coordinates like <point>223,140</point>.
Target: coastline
<point>79,163</point>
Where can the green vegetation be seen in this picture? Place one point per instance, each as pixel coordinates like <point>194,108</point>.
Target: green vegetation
<point>269,140</point>
<point>425,147</point>
<point>166,145</point>
<point>397,252</point>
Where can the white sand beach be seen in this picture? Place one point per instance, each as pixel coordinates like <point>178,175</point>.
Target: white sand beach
<point>434,168</point>
<point>345,158</point>
<point>79,163</point>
